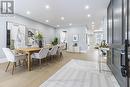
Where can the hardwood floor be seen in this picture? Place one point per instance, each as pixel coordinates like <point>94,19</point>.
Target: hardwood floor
<point>23,78</point>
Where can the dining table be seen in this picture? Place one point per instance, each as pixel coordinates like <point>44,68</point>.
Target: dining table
<point>29,51</point>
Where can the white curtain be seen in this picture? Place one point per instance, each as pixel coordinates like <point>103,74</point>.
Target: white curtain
<point>63,37</point>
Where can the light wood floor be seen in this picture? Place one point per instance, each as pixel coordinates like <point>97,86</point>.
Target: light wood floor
<point>24,78</point>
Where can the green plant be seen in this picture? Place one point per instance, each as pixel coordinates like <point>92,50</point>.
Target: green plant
<point>39,36</point>
<point>103,44</point>
<point>55,41</point>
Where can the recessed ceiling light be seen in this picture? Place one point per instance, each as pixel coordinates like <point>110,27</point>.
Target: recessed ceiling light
<point>86,7</point>
<point>47,20</point>
<point>58,25</point>
<point>28,12</point>
<point>47,6</point>
<point>89,15</point>
<point>70,24</point>
<point>62,18</point>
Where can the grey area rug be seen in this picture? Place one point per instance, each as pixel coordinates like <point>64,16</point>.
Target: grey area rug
<point>78,73</point>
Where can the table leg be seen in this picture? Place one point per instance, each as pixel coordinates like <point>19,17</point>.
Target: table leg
<point>29,62</point>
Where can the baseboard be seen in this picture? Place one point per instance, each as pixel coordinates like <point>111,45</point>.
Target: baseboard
<point>83,51</point>
<point>3,60</point>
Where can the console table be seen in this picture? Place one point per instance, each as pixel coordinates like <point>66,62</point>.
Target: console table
<point>74,49</point>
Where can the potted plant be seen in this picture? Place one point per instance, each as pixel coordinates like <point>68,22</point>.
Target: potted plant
<point>55,41</point>
<point>103,44</point>
<point>39,38</point>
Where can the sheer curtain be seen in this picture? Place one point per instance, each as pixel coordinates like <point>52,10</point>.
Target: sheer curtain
<point>63,37</point>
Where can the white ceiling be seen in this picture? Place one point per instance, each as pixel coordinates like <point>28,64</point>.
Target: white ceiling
<point>72,10</point>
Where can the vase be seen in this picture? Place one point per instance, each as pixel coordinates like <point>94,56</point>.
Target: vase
<point>40,44</point>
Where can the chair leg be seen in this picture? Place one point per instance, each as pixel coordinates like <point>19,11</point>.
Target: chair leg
<point>51,58</point>
<point>55,57</point>
<point>14,65</point>
<point>61,54</point>
<point>46,60</point>
<point>7,66</point>
<point>19,63</point>
<point>40,62</point>
<point>25,62</point>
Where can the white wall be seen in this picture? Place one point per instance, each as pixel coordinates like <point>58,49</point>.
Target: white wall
<point>105,29</point>
<point>80,30</point>
<point>47,31</point>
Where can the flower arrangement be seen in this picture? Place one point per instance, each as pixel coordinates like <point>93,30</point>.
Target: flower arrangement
<point>103,44</point>
<point>39,38</point>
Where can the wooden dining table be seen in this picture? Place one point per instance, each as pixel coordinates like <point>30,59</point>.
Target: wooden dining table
<point>29,52</point>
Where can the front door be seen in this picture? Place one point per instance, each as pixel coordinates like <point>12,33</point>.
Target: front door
<point>118,40</point>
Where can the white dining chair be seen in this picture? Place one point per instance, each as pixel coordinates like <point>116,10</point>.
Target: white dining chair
<point>59,51</point>
<point>41,54</point>
<point>13,58</point>
<point>53,51</point>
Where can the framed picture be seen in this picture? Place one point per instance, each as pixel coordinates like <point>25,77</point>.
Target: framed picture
<point>76,37</point>
<point>30,34</point>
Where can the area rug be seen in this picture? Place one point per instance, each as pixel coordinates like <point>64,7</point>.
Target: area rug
<point>78,73</point>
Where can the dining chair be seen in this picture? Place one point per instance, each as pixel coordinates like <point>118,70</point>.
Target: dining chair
<point>53,51</point>
<point>41,54</point>
<point>13,58</point>
<point>59,51</point>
